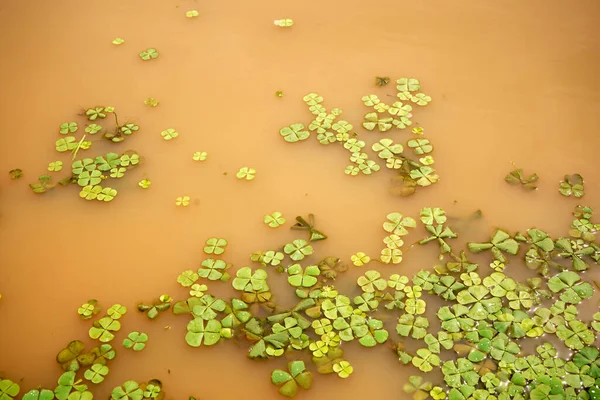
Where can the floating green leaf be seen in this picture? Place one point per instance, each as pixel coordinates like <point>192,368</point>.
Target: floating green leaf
<point>246,173</point>
<point>55,166</point>
<point>96,373</point>
<point>274,220</point>
<point>15,173</point>
<point>289,382</point>
<point>294,133</point>
<point>298,249</point>
<point>284,23</point>
<point>215,246</point>
<point>169,134</point>
<point>129,391</point>
<point>149,54</point>
<point>517,176</point>
<point>572,185</point>
<point>136,341</point>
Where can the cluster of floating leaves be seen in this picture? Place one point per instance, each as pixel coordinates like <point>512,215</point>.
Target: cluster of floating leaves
<point>329,129</point>
<point>486,318</point>
<point>90,172</point>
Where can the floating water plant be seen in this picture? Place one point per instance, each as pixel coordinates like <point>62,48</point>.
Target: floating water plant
<point>135,341</point>
<point>410,173</point>
<point>382,80</point>
<point>284,23</point>
<point>192,13</point>
<point>118,41</point>
<point>169,134</point>
<point>303,224</point>
<point>274,220</point>
<point>154,309</point>
<point>151,102</point>
<point>16,173</point>
<point>90,172</point>
<point>144,183</point>
<point>517,177</point>
<point>149,54</point>
<point>200,156</point>
<point>183,201</point>
<point>246,173</point>
<point>572,185</point>
<point>55,166</point>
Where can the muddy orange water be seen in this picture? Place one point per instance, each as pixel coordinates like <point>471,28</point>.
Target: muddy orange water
<point>510,81</point>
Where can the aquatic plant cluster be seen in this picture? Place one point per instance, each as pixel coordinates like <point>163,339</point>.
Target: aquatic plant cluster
<point>90,172</point>
<point>410,172</point>
<point>486,318</point>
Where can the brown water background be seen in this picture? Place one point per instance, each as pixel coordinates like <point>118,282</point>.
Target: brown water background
<point>510,81</point>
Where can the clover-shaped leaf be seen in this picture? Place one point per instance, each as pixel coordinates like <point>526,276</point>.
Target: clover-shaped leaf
<point>41,394</point>
<point>66,144</point>
<point>204,332</point>
<point>169,134</point>
<point>149,54</point>
<point>214,270</point>
<point>300,278</point>
<point>129,391</point>
<point>294,133</point>
<point>274,220</point>
<point>96,373</point>
<point>408,84</point>
<point>115,172</point>
<point>500,242</point>
<point>339,306</point>
<point>68,127</point>
<point>420,146</point>
<point>424,175</point>
<point>200,156</point>
<point>110,161</point>
<point>359,259</point>
<point>312,99</point>
<point>215,246</point>
<point>415,326</point>
<point>371,281</point>
<point>136,341</point>
<point>129,160</point>
<point>298,249</point>
<point>151,101</point>
<point>129,129</point>
<point>284,23</point>
<point>246,173</point>
<point>572,185</point>
<point>431,215</point>
<point>87,310</point>
<point>571,291</point>
<point>421,99</point>
<point>396,224</point>
<point>144,183</point>
<point>425,360</point>
<point>575,334</point>
<point>289,382</point>
<point>418,388</point>
<point>246,280</point>
<point>103,328</point>
<point>372,121</point>
<point>393,256</point>
<point>386,148</point>
<point>343,369</point>
<point>55,166</point>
